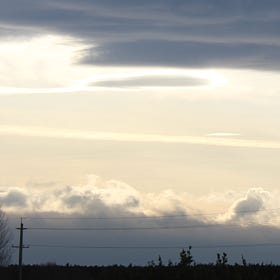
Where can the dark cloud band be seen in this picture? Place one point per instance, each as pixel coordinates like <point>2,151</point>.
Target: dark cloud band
<point>239,34</point>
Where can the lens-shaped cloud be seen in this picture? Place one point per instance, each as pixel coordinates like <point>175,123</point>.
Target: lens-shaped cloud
<point>160,81</point>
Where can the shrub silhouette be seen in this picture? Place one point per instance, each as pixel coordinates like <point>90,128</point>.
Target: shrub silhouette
<point>221,260</point>
<point>186,258</point>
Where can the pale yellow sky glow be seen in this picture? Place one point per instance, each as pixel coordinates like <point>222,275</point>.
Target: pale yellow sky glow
<point>51,97</point>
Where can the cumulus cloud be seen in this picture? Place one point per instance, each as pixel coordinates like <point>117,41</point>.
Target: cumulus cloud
<point>114,198</point>
<point>96,197</point>
<point>14,197</point>
<point>256,206</point>
<point>255,199</point>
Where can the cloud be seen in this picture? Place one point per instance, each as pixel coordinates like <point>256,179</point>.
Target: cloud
<point>105,194</point>
<point>13,198</point>
<point>253,205</point>
<point>56,55</point>
<point>96,197</point>
<point>136,137</point>
<point>160,81</point>
<point>254,200</point>
<point>182,33</point>
<point>35,184</point>
<point>223,134</point>
<point>100,197</point>
<point>185,54</point>
<point>41,64</point>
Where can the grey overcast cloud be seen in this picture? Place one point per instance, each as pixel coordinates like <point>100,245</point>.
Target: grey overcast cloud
<point>144,124</point>
<point>237,34</point>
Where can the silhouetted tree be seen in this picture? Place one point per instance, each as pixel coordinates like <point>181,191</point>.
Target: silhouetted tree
<point>170,263</point>
<point>222,260</point>
<point>160,264</point>
<point>5,238</point>
<point>151,263</point>
<point>186,258</point>
<point>244,262</point>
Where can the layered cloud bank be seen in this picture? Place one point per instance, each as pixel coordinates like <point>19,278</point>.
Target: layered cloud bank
<point>115,198</point>
<point>242,34</point>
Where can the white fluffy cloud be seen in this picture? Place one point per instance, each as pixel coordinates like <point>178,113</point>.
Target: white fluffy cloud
<point>257,206</point>
<point>99,197</point>
<point>96,197</point>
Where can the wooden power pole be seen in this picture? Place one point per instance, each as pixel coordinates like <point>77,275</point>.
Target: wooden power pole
<point>20,248</point>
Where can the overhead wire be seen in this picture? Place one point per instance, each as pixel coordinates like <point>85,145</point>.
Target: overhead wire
<point>155,247</point>
<point>171,227</point>
<point>147,217</point>
<point>210,224</point>
<point>202,224</point>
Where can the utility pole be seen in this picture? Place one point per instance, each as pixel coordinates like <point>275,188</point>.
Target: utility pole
<point>20,248</point>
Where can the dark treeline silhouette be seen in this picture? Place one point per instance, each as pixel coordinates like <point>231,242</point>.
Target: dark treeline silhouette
<point>186,268</point>
<point>116,272</point>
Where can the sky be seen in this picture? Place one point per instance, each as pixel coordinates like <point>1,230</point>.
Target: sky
<point>163,109</point>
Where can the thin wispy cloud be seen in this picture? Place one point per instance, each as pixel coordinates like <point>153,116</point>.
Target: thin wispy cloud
<point>136,137</point>
<point>223,134</point>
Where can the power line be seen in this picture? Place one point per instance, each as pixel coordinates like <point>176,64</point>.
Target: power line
<point>118,228</point>
<point>241,223</point>
<point>145,227</point>
<point>155,247</point>
<point>114,228</point>
<point>105,247</point>
<point>237,245</point>
<point>148,217</point>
